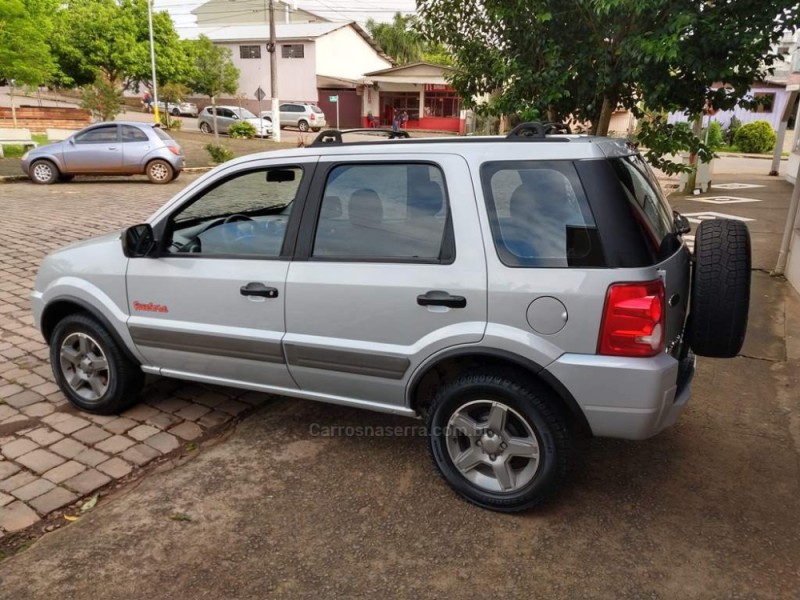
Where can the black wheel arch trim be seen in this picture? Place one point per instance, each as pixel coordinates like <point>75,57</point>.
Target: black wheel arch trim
<point>95,314</point>
<point>533,367</point>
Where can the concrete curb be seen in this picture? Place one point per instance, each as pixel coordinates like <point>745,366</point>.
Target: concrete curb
<point>18,178</point>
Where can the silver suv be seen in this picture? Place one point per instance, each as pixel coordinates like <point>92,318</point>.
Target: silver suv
<point>302,115</point>
<point>516,293</point>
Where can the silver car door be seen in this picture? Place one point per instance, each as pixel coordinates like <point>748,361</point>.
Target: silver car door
<point>94,150</point>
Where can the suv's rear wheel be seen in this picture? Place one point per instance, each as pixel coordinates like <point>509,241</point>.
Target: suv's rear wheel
<point>90,367</point>
<point>499,442</point>
<point>720,288</point>
<point>302,125</point>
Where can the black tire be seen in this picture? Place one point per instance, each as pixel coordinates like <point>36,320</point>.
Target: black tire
<point>720,299</point>
<point>124,377</point>
<point>205,128</point>
<point>43,172</point>
<point>159,171</point>
<point>302,126</point>
<point>175,175</point>
<point>316,129</point>
<point>175,112</point>
<point>533,406</point>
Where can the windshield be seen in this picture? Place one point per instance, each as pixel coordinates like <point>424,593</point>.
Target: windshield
<point>244,113</point>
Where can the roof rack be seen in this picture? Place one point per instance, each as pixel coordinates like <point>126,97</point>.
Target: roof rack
<point>334,136</point>
<point>534,129</point>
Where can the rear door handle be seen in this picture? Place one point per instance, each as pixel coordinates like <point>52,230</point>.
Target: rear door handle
<point>256,288</point>
<point>440,298</point>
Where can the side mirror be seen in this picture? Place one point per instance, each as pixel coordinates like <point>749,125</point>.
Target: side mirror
<point>681,223</point>
<point>235,117</point>
<point>138,241</point>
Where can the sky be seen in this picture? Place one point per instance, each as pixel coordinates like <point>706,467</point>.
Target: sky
<point>335,10</point>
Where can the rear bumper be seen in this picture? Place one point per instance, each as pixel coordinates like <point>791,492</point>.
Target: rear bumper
<point>629,398</point>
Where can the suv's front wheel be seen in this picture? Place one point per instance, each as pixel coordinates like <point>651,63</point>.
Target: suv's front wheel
<point>91,368</point>
<point>499,441</point>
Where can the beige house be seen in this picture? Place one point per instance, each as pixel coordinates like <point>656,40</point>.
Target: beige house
<point>215,13</point>
<point>309,56</point>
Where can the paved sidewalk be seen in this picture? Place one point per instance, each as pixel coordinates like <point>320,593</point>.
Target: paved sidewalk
<point>51,455</point>
<point>707,509</point>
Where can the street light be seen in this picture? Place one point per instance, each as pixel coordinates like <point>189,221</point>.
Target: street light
<point>153,59</point>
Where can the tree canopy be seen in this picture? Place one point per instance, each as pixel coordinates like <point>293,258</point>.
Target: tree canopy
<point>111,37</point>
<point>402,40</point>
<point>581,59</point>
<point>213,72</point>
<point>24,51</point>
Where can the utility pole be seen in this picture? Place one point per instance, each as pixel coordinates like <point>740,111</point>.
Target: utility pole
<point>273,75</point>
<point>153,59</point>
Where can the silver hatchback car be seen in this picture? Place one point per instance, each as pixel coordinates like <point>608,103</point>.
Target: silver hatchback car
<point>516,293</point>
<point>118,148</point>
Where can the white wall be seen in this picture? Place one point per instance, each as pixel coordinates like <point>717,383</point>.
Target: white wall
<point>344,53</point>
<point>296,76</point>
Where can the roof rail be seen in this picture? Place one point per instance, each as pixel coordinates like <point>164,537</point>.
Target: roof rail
<point>334,136</point>
<point>534,129</point>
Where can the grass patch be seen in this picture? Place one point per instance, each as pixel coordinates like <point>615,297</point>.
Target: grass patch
<point>17,150</point>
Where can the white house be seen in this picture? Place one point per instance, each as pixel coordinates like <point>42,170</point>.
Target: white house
<point>314,61</point>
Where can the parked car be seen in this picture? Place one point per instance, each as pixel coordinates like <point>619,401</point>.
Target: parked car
<point>177,109</point>
<point>302,115</point>
<point>516,293</point>
<point>227,116</point>
<point>113,148</point>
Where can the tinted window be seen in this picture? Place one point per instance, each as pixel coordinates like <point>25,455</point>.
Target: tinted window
<point>292,51</point>
<point>539,215</point>
<point>645,196</point>
<point>316,109</point>
<point>384,211</point>
<point>162,134</point>
<point>244,215</point>
<point>249,51</point>
<point>133,134</point>
<point>98,135</point>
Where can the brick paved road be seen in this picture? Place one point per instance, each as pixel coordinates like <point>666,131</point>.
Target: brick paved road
<point>51,455</point>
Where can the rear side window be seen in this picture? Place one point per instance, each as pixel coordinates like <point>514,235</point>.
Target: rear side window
<point>644,194</point>
<point>539,215</point>
<point>162,134</point>
<point>384,212</point>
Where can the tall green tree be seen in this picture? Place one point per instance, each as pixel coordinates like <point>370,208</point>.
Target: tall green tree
<point>402,40</point>
<point>582,59</point>
<point>398,39</point>
<point>213,72</point>
<point>24,50</point>
<point>111,37</point>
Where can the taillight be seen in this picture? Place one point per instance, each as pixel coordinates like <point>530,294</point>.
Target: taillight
<point>313,117</point>
<point>633,320</point>
<point>175,150</point>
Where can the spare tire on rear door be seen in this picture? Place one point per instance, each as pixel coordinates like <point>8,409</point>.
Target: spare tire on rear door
<point>720,288</point>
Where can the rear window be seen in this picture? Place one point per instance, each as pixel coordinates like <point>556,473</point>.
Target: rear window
<point>162,134</point>
<point>539,215</point>
<point>644,194</point>
<point>315,109</point>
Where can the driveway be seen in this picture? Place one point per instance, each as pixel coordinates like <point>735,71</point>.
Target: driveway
<point>708,509</point>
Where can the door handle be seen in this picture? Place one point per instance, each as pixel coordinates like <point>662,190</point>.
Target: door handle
<point>255,288</point>
<point>440,298</point>
<point>112,147</point>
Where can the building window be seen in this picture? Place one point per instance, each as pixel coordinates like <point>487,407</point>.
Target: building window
<point>442,104</point>
<point>249,51</point>
<point>293,51</point>
<point>765,100</point>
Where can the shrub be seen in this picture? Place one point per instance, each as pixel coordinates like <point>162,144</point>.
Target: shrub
<point>169,122</point>
<point>219,153</point>
<point>733,126</point>
<point>757,137</point>
<point>714,137</point>
<point>242,130</point>
<point>102,99</point>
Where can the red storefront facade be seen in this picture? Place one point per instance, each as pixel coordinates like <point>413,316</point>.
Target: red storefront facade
<point>417,94</point>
